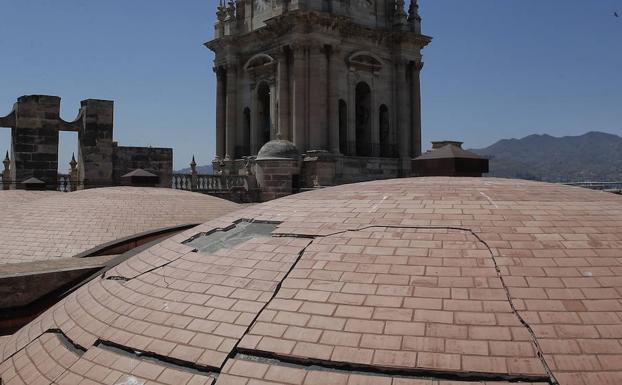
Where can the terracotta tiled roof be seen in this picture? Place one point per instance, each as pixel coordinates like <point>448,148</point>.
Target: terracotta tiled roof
<point>9,198</point>
<point>47,225</point>
<point>429,281</point>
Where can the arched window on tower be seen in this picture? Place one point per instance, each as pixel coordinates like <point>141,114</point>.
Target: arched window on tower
<point>264,120</point>
<point>387,148</point>
<point>363,119</point>
<point>343,127</point>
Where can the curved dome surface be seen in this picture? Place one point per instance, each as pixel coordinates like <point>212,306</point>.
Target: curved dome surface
<point>278,150</point>
<point>42,225</point>
<point>10,198</point>
<point>429,281</point>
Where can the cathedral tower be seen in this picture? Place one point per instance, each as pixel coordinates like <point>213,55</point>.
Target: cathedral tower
<point>333,75</point>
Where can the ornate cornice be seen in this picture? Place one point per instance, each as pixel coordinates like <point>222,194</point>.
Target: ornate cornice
<point>304,22</point>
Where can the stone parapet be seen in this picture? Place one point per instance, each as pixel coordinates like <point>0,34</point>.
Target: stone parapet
<point>352,169</point>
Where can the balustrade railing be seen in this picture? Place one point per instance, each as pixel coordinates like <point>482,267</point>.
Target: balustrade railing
<point>64,183</point>
<point>209,183</point>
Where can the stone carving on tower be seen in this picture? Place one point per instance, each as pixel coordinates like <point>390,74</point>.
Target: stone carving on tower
<point>337,76</point>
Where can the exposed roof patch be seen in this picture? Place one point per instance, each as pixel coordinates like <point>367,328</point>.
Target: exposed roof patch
<point>242,231</point>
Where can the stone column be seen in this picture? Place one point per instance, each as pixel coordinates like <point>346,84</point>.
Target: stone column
<point>333,99</point>
<point>283,85</point>
<point>254,121</point>
<point>318,97</point>
<point>403,114</point>
<point>403,118</point>
<point>221,112</point>
<point>416,108</point>
<point>273,111</point>
<point>375,124</point>
<point>300,97</point>
<point>351,116</point>
<point>232,107</point>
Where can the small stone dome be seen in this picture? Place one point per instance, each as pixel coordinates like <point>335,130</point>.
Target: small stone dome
<point>279,150</point>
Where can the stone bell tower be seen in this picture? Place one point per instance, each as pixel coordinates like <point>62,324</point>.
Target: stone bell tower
<point>331,76</point>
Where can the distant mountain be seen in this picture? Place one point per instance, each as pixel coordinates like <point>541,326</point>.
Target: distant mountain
<point>595,156</point>
<point>209,169</point>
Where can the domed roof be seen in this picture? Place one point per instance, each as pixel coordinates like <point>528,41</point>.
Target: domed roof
<point>279,150</point>
<point>51,225</point>
<point>432,281</point>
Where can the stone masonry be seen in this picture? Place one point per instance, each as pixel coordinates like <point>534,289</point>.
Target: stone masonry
<point>336,76</point>
<point>96,142</point>
<point>158,161</point>
<point>35,124</point>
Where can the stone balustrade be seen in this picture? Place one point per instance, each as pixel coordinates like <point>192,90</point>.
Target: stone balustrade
<point>209,183</point>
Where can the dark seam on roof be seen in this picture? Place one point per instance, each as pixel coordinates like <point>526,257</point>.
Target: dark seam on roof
<point>532,333</point>
<point>100,250</point>
<point>165,361</point>
<point>234,350</point>
<point>251,354</point>
<point>115,278</point>
<point>376,370</point>
<point>551,379</point>
<point>63,338</point>
<point>68,342</point>
<point>70,345</point>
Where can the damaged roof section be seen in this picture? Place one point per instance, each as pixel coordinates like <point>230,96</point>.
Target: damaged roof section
<point>241,232</point>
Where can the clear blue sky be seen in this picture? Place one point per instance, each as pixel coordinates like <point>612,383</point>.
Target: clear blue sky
<point>496,68</point>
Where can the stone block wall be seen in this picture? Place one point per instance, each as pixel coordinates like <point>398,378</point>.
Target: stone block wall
<point>34,151</point>
<point>35,124</point>
<point>158,161</point>
<point>277,178</point>
<point>362,169</point>
<point>96,143</point>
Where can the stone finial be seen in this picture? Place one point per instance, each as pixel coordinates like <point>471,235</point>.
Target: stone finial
<point>194,178</point>
<point>221,12</point>
<point>73,173</point>
<point>221,15</point>
<point>73,162</point>
<point>413,10</point>
<point>414,20</point>
<point>7,162</point>
<point>6,174</point>
<point>231,10</point>
<point>400,14</point>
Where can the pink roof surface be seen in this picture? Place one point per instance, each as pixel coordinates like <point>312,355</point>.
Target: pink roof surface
<point>10,198</point>
<point>40,225</point>
<point>429,281</point>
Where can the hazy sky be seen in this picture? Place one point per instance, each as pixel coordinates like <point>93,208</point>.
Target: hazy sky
<point>496,68</point>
